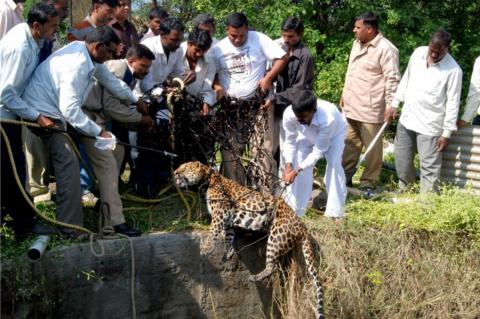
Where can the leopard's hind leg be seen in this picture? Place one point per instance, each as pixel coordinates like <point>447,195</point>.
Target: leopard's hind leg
<point>280,241</point>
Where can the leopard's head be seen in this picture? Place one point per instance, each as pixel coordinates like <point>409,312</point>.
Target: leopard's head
<point>191,173</point>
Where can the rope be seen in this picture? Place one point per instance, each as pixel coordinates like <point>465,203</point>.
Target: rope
<point>25,195</point>
<point>93,235</point>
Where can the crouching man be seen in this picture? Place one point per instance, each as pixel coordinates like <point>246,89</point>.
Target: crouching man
<point>58,90</point>
<point>102,106</point>
<point>313,129</point>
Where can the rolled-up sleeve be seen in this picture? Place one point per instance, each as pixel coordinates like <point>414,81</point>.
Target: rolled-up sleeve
<point>71,90</point>
<point>13,77</point>
<point>207,93</point>
<point>118,88</point>
<point>454,89</point>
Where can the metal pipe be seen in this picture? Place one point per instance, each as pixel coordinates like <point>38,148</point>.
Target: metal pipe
<point>372,144</point>
<point>35,252</point>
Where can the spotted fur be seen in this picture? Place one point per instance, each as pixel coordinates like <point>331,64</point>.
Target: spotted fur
<point>233,205</point>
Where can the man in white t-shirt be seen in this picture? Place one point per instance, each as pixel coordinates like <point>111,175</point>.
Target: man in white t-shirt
<point>241,61</point>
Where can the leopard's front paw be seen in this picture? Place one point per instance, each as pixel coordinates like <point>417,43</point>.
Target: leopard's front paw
<point>229,254</point>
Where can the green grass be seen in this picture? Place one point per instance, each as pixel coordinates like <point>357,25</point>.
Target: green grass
<point>418,257</point>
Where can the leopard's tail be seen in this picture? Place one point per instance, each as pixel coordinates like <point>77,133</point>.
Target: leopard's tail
<point>310,260</point>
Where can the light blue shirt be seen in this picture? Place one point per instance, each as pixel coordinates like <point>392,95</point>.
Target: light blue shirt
<point>61,84</point>
<point>18,59</point>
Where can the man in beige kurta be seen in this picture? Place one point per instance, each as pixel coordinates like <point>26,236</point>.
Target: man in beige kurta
<point>372,78</point>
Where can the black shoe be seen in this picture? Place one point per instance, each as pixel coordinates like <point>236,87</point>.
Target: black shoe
<point>126,230</point>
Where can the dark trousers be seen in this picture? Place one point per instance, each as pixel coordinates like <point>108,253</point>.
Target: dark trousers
<point>12,201</point>
<point>153,169</point>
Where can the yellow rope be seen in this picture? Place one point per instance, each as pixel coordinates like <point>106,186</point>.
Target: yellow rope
<point>24,193</point>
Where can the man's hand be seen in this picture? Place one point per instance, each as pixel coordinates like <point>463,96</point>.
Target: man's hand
<point>267,105</point>
<point>220,93</point>
<point>148,122</point>
<point>442,143</point>
<point>189,77</point>
<point>45,122</point>
<point>205,109</point>
<point>142,107</point>
<point>105,134</point>
<point>265,84</point>
<point>462,123</point>
<point>289,174</point>
<point>390,114</point>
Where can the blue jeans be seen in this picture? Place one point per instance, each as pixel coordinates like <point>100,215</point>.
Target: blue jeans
<point>86,182</point>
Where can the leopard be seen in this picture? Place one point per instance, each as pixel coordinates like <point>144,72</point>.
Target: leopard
<point>232,205</point>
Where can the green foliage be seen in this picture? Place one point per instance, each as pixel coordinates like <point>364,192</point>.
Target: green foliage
<point>452,211</point>
<point>408,24</point>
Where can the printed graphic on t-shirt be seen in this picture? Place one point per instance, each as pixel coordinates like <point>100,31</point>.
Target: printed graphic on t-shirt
<point>239,64</point>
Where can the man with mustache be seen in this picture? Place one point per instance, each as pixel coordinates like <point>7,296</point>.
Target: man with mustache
<point>102,106</point>
<point>430,90</point>
<point>19,50</point>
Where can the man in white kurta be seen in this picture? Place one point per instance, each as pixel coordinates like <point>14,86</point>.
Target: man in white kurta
<point>472,106</point>
<point>313,129</point>
<point>430,90</point>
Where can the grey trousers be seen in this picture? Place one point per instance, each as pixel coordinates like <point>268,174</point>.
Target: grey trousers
<point>408,142</point>
<point>106,167</point>
<point>67,173</point>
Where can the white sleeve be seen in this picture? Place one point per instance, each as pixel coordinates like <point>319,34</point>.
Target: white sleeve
<point>71,89</point>
<point>322,143</point>
<point>147,82</point>
<point>473,98</point>
<point>178,69</point>
<point>454,91</point>
<point>115,86</point>
<point>399,95</point>
<point>271,50</point>
<point>290,145</point>
<point>208,94</point>
<point>13,77</point>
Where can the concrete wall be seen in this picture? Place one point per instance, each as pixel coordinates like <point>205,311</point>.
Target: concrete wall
<point>171,281</point>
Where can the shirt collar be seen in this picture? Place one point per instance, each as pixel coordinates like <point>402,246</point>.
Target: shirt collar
<point>374,42</point>
<point>116,23</point>
<point>32,41</point>
<point>89,20</point>
<point>128,66</point>
<point>439,63</point>
<point>297,49</point>
<point>200,62</point>
<point>316,118</point>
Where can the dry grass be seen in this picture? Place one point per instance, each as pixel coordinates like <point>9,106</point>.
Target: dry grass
<point>386,272</point>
